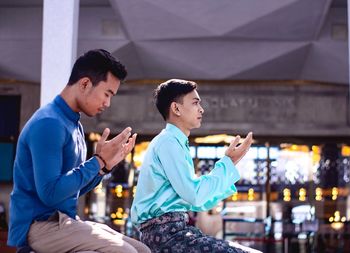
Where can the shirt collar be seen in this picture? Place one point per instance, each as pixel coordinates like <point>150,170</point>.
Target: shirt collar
<point>67,111</point>
<point>179,135</point>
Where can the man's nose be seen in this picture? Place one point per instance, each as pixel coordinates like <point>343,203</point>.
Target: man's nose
<point>107,103</point>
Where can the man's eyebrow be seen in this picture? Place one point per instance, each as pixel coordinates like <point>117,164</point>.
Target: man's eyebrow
<point>197,99</point>
<point>110,91</point>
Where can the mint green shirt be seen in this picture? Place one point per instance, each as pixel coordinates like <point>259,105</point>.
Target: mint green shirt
<point>168,183</point>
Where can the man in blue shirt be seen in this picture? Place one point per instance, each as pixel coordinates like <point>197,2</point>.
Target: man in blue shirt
<point>167,186</point>
<point>51,170</point>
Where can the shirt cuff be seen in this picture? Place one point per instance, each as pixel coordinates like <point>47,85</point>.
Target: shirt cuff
<point>96,163</point>
<point>230,165</point>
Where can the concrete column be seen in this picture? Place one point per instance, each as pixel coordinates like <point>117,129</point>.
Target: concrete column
<point>59,47</point>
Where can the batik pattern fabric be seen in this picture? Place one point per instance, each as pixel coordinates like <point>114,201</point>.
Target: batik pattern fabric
<point>170,233</point>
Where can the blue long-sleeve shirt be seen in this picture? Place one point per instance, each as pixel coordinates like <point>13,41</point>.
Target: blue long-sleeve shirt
<point>167,180</point>
<point>50,171</point>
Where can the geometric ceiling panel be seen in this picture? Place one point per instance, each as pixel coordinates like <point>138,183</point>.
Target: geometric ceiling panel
<point>299,20</point>
<point>281,67</point>
<point>161,64</point>
<point>144,20</point>
<point>150,19</point>
<point>327,62</point>
<point>129,57</point>
<point>335,17</point>
<point>197,39</point>
<point>210,59</point>
<point>20,23</point>
<point>100,23</point>
<point>109,45</point>
<point>20,60</point>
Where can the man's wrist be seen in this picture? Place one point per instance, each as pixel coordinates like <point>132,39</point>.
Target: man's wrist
<point>103,171</point>
<point>101,159</point>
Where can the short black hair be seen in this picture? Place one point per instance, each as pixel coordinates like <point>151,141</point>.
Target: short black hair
<point>170,91</point>
<point>95,64</point>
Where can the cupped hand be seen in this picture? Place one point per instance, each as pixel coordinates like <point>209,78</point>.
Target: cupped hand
<point>236,152</point>
<point>116,149</point>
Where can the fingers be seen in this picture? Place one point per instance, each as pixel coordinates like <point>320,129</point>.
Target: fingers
<point>244,147</point>
<point>125,133</point>
<point>133,140</point>
<point>102,140</point>
<point>250,135</point>
<point>234,142</point>
<point>127,147</point>
<point>237,152</point>
<point>130,144</point>
<point>123,137</point>
<point>105,135</point>
<point>248,140</point>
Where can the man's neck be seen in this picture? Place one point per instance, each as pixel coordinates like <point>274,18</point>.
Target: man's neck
<point>67,95</point>
<point>183,129</point>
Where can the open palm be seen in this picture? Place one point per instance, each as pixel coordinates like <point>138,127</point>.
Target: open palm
<point>235,151</point>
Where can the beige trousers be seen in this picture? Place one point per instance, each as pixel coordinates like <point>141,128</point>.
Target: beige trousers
<point>65,234</point>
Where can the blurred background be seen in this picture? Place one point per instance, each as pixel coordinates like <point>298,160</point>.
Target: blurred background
<point>277,68</point>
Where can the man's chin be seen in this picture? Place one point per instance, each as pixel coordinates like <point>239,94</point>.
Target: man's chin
<point>91,114</point>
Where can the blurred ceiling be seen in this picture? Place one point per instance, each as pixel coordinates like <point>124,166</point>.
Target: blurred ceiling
<point>197,39</point>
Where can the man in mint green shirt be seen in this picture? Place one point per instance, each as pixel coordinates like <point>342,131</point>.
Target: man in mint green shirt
<point>168,187</point>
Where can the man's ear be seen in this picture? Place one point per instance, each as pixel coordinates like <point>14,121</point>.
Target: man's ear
<point>84,83</point>
<point>174,109</point>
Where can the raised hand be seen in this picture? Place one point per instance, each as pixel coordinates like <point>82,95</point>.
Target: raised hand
<point>129,145</point>
<point>116,149</point>
<point>237,152</point>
